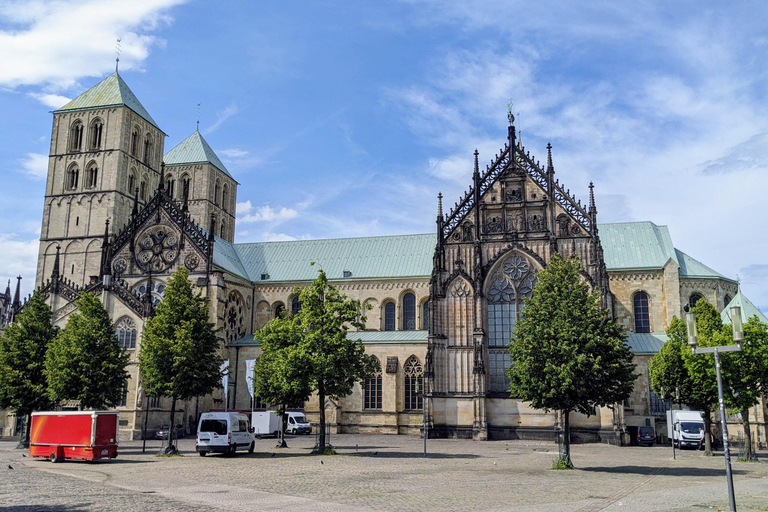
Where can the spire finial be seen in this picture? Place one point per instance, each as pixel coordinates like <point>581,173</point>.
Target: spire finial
<point>118,51</point>
<point>198,117</point>
<point>550,167</point>
<point>55,271</point>
<point>510,115</point>
<point>17,295</point>
<point>592,208</point>
<point>440,204</point>
<point>477,165</point>
<point>135,204</point>
<point>162,175</point>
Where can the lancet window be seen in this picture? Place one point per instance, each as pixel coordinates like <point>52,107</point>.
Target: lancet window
<point>414,384</point>
<point>640,310</point>
<point>372,392</point>
<point>125,328</point>
<point>409,312</point>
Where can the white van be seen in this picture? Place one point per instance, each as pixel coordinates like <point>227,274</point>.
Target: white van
<point>297,423</point>
<point>224,432</point>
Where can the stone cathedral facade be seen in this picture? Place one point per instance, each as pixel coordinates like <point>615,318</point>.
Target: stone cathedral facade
<point>121,214</point>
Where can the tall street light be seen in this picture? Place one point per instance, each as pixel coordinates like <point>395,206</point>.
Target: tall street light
<point>738,337</point>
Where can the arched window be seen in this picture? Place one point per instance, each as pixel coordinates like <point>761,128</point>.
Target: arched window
<point>693,299</point>
<point>279,310</point>
<point>147,148</point>
<point>73,174</point>
<point>409,312</point>
<point>156,291</point>
<point>91,175</point>
<point>727,300</point>
<point>512,280</point>
<point>170,186</point>
<point>76,136</point>
<point>216,188</point>
<point>295,305</point>
<point>223,231</point>
<point>96,129</point>
<point>425,315</point>
<point>125,328</point>
<point>224,197</point>
<point>234,317</point>
<point>134,141</point>
<point>414,384</point>
<point>132,182</point>
<point>640,310</point>
<point>372,392</point>
<point>143,190</point>
<point>389,316</point>
<point>185,184</point>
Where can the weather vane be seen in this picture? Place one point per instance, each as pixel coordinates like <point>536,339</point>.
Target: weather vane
<point>117,50</point>
<point>510,116</point>
<point>198,116</point>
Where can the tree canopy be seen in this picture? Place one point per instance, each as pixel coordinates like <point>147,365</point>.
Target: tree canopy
<point>567,353</point>
<point>23,386</point>
<point>179,355</point>
<point>310,351</point>
<point>85,362</point>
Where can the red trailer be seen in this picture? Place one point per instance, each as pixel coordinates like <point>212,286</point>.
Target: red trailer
<point>87,435</point>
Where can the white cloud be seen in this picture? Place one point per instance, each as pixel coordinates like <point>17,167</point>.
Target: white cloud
<point>41,46</point>
<point>35,165</point>
<point>221,116</point>
<point>50,100</point>
<point>277,237</point>
<point>264,213</point>
<point>234,153</point>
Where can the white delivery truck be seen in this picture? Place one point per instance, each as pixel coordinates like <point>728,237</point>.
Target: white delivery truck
<point>224,432</point>
<point>266,423</point>
<point>685,428</point>
<point>297,423</point>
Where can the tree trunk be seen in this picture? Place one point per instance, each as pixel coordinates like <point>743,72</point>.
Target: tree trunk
<point>321,399</point>
<point>567,438</point>
<point>708,433</point>
<point>747,454</point>
<point>171,428</point>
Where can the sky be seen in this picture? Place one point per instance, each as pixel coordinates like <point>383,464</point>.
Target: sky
<point>345,119</point>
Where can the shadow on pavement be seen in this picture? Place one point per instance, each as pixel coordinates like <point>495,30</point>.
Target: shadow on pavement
<point>49,508</point>
<point>668,471</point>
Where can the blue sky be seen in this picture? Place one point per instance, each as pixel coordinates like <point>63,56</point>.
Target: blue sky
<point>347,118</point>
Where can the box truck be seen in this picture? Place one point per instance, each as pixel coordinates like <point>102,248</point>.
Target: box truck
<point>685,428</point>
<point>86,435</point>
<point>266,423</point>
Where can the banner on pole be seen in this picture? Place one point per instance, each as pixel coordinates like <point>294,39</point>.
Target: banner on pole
<point>249,365</point>
<point>225,378</point>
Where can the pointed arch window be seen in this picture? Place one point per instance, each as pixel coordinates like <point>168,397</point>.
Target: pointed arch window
<point>389,316</point>
<point>641,313</point>
<point>279,310</point>
<point>512,280</point>
<point>693,299</point>
<point>223,232</point>
<point>224,197</point>
<point>134,141</point>
<point>132,182</point>
<point>184,186</point>
<point>414,384</point>
<point>143,190</point>
<point>216,188</point>
<point>727,300</point>
<point>91,175</point>
<point>425,315</point>
<point>147,148</point>
<point>76,136</point>
<point>96,129</point>
<point>295,305</point>
<point>409,312</point>
<point>125,328</point>
<point>170,187</point>
<point>372,392</point>
<point>73,174</point>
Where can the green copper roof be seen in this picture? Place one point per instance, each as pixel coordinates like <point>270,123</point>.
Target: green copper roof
<point>194,150</point>
<point>636,245</point>
<point>690,267</point>
<point>748,310</point>
<point>368,257</point>
<point>644,344</point>
<point>367,337</point>
<point>112,91</point>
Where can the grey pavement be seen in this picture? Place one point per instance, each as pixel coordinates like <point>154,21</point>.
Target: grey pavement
<point>378,472</point>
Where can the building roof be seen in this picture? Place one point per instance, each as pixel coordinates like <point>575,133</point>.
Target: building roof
<point>194,150</point>
<point>398,256</point>
<point>367,337</point>
<point>748,310</point>
<point>646,344</point>
<point>110,92</point>
<point>636,245</point>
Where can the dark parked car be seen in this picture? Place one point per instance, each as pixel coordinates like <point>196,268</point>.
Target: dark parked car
<point>646,436</point>
<point>163,431</point>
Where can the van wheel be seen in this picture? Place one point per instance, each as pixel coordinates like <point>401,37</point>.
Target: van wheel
<point>232,450</point>
<point>253,445</point>
<point>53,457</point>
<point>203,454</point>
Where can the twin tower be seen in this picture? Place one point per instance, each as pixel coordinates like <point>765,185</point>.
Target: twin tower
<point>106,161</point>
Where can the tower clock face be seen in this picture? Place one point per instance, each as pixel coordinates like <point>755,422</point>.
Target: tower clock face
<point>157,248</point>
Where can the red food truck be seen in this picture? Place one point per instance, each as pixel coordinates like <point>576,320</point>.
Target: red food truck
<point>87,435</point>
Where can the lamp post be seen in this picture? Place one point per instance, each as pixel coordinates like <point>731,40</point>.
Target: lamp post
<point>420,391</point>
<point>738,337</point>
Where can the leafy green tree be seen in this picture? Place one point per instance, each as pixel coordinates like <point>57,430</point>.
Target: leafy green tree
<point>179,354</point>
<point>85,362</point>
<point>567,354</point>
<point>23,387</point>
<point>745,373</point>
<point>312,351</point>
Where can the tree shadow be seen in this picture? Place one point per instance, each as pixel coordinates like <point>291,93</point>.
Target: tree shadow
<point>49,508</point>
<point>665,471</point>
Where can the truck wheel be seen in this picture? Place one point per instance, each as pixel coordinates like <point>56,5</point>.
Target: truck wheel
<point>253,445</point>
<point>54,457</point>
<point>203,454</point>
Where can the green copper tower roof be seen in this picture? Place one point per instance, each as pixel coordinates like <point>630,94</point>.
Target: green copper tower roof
<point>110,92</point>
<point>194,150</point>
<point>748,310</point>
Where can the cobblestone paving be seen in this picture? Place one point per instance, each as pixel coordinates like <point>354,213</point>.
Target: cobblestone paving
<point>384,473</point>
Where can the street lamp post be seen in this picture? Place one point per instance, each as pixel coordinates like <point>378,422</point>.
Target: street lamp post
<point>738,337</point>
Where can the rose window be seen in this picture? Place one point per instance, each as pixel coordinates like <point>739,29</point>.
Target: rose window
<point>157,248</point>
<point>233,317</point>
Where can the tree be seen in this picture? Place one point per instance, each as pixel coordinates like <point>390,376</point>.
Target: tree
<point>179,355</point>
<point>311,349</point>
<point>23,346</point>
<point>85,362</point>
<point>567,353</point>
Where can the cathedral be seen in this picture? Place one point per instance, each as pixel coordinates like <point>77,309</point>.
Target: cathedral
<point>121,214</point>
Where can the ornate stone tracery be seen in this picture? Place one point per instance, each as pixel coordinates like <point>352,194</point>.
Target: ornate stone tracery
<point>234,317</point>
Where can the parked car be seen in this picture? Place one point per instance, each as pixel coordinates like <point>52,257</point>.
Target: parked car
<point>646,436</point>
<point>162,432</point>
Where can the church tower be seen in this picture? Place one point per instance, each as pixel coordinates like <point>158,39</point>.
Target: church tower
<point>105,151</point>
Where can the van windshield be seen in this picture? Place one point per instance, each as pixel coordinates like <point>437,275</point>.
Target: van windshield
<point>216,426</point>
<point>691,427</point>
<point>301,419</point>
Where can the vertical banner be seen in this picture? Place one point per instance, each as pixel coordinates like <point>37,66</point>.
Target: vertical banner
<point>249,365</point>
<point>225,381</point>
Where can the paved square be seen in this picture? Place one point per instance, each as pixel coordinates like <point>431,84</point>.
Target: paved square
<point>377,472</point>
